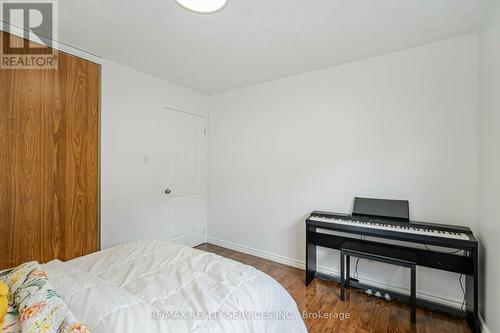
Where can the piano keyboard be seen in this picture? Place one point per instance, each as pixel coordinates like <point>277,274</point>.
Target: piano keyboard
<point>392,227</point>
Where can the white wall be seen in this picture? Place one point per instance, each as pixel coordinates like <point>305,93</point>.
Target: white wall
<point>130,187</point>
<point>489,166</point>
<point>401,125</point>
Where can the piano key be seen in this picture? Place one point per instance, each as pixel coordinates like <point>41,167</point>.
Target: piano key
<point>392,227</point>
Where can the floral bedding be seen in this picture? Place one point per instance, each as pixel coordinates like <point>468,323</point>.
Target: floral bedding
<point>34,306</point>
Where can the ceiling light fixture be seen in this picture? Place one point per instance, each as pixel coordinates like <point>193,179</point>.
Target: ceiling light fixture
<point>203,6</point>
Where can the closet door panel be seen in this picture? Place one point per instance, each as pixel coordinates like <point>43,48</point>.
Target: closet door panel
<point>49,173</point>
<point>22,158</point>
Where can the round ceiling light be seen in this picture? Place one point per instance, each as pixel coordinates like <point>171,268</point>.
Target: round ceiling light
<point>203,6</point>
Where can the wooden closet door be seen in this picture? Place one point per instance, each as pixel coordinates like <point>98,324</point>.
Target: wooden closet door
<point>49,171</point>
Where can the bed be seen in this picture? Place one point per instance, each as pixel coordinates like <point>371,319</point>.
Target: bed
<point>155,286</point>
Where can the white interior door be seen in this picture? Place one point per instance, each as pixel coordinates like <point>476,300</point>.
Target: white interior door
<point>184,203</point>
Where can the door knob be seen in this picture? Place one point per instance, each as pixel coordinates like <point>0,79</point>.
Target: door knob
<point>168,191</point>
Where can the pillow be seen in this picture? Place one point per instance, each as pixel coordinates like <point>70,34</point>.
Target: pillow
<point>11,320</point>
<point>4,301</point>
<point>36,307</point>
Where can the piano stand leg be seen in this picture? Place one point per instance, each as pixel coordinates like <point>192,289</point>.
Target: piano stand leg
<point>413,296</point>
<point>348,271</point>
<point>342,276</point>
<point>472,292</point>
<point>310,255</point>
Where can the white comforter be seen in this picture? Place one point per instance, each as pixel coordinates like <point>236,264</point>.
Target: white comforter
<point>153,286</point>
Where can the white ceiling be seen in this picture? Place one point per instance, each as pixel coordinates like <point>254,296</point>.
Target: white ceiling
<point>252,41</point>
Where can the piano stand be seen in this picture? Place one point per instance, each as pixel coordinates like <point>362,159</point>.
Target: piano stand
<point>378,253</point>
<point>461,264</point>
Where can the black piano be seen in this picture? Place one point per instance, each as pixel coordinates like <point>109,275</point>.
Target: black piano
<point>378,221</point>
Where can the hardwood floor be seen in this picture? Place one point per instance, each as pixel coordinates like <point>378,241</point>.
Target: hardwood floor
<point>367,314</point>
